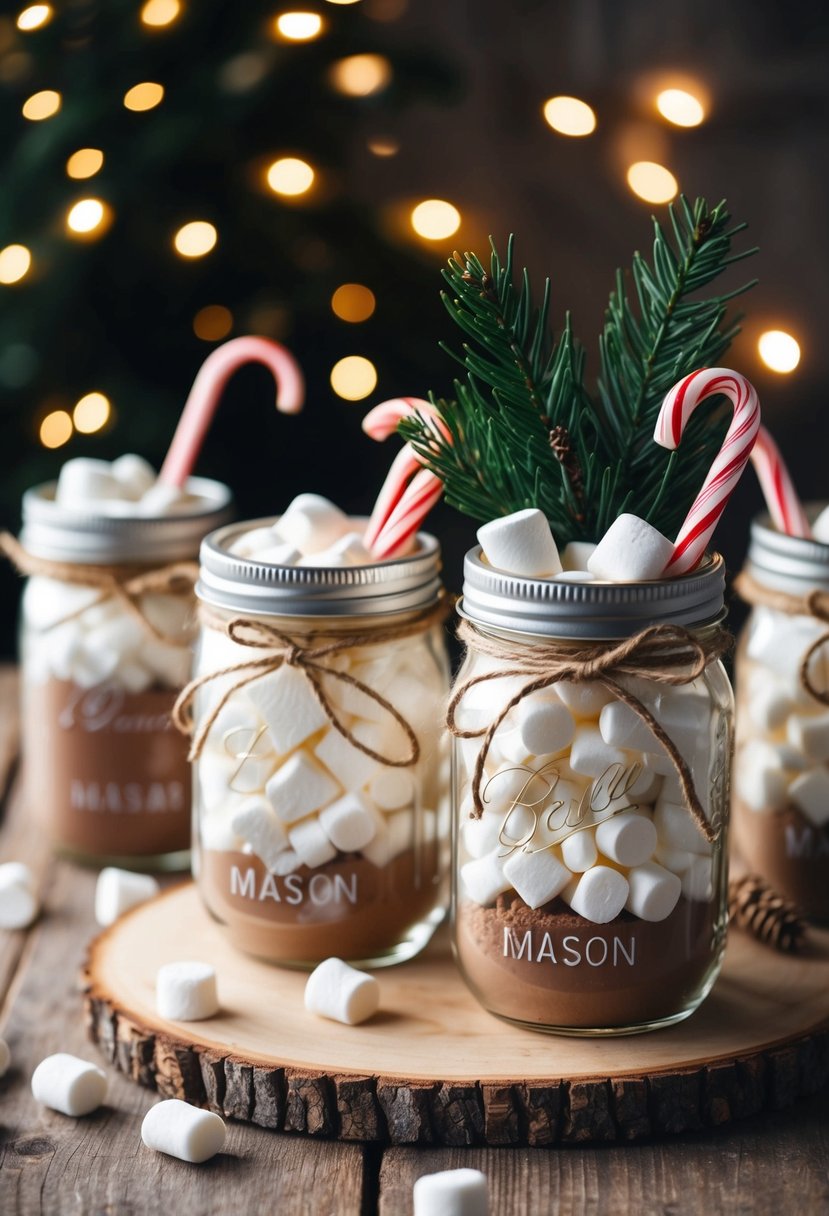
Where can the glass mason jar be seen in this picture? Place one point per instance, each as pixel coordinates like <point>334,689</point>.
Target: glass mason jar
<point>104,768</point>
<point>305,846</point>
<point>780,804</point>
<point>587,900</point>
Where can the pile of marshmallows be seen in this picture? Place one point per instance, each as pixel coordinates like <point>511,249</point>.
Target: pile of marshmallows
<point>642,849</point>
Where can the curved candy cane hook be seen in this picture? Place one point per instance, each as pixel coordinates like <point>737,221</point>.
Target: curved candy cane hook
<point>781,497</point>
<point>409,491</point>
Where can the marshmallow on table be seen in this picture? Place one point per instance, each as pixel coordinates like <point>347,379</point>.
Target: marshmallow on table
<point>312,523</point>
<point>759,778</point>
<point>258,824</point>
<point>599,895</point>
<point>186,992</point>
<point>133,474</point>
<point>341,993</point>
<point>537,877</point>
<point>576,555</point>
<point>180,1130</point>
<point>311,844</point>
<point>287,702</point>
<point>810,793</point>
<point>631,550</point>
<point>68,1084</point>
<point>484,879</point>
<point>18,901</point>
<point>628,838</point>
<point>579,852</point>
<point>810,734</point>
<point>5,1057</point>
<point>451,1193</point>
<point>116,891</point>
<point>300,787</point>
<point>654,891</point>
<point>521,543</point>
<point>348,823</point>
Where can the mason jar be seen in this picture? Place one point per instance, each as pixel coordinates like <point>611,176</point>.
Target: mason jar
<point>320,778</point>
<point>107,625</point>
<point>780,804</point>
<point>588,898</point>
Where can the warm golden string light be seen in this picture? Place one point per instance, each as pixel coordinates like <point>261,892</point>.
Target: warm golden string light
<point>680,107</point>
<point>361,75</point>
<point>55,429</point>
<point>382,146</point>
<point>41,105</point>
<point>88,217</point>
<point>195,239</point>
<point>434,219</point>
<point>213,322</point>
<point>158,13</point>
<point>15,263</point>
<point>91,413</point>
<point>353,378</point>
<point>86,162</point>
<point>780,351</point>
<point>290,176</point>
<point>570,116</point>
<point>34,17</point>
<point>353,302</point>
<point>298,26</point>
<point>652,182</point>
<point>144,96</point>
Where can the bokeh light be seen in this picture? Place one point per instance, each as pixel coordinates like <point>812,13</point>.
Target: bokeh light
<point>56,429</point>
<point>298,26</point>
<point>360,75</point>
<point>213,322</point>
<point>381,145</point>
<point>91,413</point>
<point>652,182</point>
<point>680,107</point>
<point>144,96</point>
<point>353,302</point>
<point>86,162</point>
<point>88,217</point>
<point>434,219</point>
<point>34,17</point>
<point>15,262</point>
<point>570,116</point>
<point>780,351</point>
<point>195,239</point>
<point>41,105</point>
<point>353,377</point>
<point>290,176</point>
<point>158,13</point>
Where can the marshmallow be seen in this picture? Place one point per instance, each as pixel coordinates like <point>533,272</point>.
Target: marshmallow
<point>122,633</point>
<point>116,891</point>
<point>133,474</point>
<point>391,789</point>
<point>5,1057</point>
<point>631,551</point>
<point>545,726</point>
<point>600,895</point>
<point>578,851</point>
<point>342,993</point>
<point>810,792</point>
<point>162,499</point>
<point>676,827</point>
<point>257,824</point>
<point>250,543</point>
<point>576,555</point>
<point>759,779</point>
<point>351,767</point>
<point>348,823</point>
<point>83,481</point>
<point>287,702</point>
<point>69,1085</point>
<point>18,901</point>
<point>286,863</point>
<point>820,528</point>
<point>312,523</point>
<point>654,891</point>
<point>590,754</point>
<point>352,548</point>
<point>278,555</point>
<point>46,601</point>
<point>133,677</point>
<point>451,1193</point>
<point>484,878</point>
<point>186,992</point>
<point>810,735</point>
<point>180,1130</point>
<point>697,879</point>
<point>537,877</point>
<point>521,543</point>
<point>482,835</point>
<point>767,706</point>
<point>396,834</point>
<point>779,642</point>
<point>584,700</point>
<point>509,746</point>
<point>170,663</point>
<point>675,860</point>
<point>216,833</point>
<point>628,838</point>
<point>299,788</point>
<point>574,576</point>
<point>311,844</point>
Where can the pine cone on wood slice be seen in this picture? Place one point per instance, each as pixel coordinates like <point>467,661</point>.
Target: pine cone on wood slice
<point>756,907</point>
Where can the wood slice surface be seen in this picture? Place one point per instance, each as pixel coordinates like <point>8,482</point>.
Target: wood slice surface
<point>433,1067</point>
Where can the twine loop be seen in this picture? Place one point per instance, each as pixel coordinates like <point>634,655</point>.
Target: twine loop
<point>664,654</point>
<point>815,605</point>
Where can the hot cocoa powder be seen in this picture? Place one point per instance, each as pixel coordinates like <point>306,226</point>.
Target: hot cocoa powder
<point>550,967</point>
<point>348,908</point>
<point>788,851</point>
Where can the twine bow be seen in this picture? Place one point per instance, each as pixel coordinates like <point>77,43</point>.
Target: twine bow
<point>120,583</point>
<point>815,605</point>
<point>282,650</point>
<point>665,654</point>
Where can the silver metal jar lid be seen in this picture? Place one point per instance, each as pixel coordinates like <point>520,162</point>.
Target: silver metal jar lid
<point>788,563</point>
<point>589,611</point>
<point>62,534</point>
<point>241,584</point>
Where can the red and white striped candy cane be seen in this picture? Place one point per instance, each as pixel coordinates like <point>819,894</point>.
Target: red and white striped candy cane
<point>409,491</point>
<point>415,503</point>
<point>778,489</point>
<point>725,472</point>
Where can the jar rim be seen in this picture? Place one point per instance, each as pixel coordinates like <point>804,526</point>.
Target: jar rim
<point>788,563</point>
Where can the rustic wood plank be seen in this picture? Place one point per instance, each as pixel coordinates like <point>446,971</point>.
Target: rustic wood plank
<point>57,1166</point>
<point>9,725</point>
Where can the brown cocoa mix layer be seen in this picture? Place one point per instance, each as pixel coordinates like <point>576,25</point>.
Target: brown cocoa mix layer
<point>348,908</point>
<point>788,851</point>
<point>561,970</point>
<point>106,772</point>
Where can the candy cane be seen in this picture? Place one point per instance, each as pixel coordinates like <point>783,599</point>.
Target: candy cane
<point>778,489</point>
<point>207,390</point>
<point>725,472</point>
<point>409,492</point>
<point>417,500</point>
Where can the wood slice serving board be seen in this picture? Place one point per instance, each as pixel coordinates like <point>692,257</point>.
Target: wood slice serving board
<point>432,1067</point>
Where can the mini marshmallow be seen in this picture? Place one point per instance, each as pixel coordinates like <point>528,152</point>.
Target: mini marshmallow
<point>521,543</point>
<point>451,1193</point>
<point>351,767</point>
<point>170,663</point>
<point>83,481</point>
<point>286,863</point>
<point>342,993</point>
<point>299,788</point>
<point>628,838</point>
<point>654,891</point>
<point>186,992</point>
<point>631,551</point>
<point>184,1131</point>
<point>312,523</point>
<point>133,474</point>
<point>68,1084</point>
<point>697,880</point>
<point>810,735</point>
<point>391,789</point>
<point>258,824</point>
<point>585,699</point>
<point>215,833</point>
<point>481,836</point>
<point>311,844</point>
<point>396,834</point>
<point>484,878</point>
<point>537,877</point>
<point>574,576</point>
<point>5,1057</point>
<point>590,754</point>
<point>250,543</point>
<point>278,555</point>
<point>288,705</point>
<point>116,891</point>
<point>545,726</point>
<point>675,860</point>
<point>133,677</point>
<point>810,792</point>
<point>820,528</point>
<point>348,823</point>
<point>576,555</point>
<point>759,779</point>
<point>579,852</point>
<point>600,895</point>
<point>162,499</point>
<point>768,707</point>
<point>676,827</point>
<point>18,901</point>
<point>509,746</point>
<point>352,549</point>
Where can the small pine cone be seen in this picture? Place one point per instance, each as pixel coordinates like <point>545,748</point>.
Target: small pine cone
<point>756,907</point>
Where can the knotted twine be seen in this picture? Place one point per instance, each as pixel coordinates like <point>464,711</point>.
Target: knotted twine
<point>815,604</point>
<point>664,654</point>
<point>120,583</point>
<point>308,656</point>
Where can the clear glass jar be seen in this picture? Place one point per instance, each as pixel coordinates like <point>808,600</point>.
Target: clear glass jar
<point>104,769</point>
<point>780,802</point>
<point>586,898</point>
<point>306,847</point>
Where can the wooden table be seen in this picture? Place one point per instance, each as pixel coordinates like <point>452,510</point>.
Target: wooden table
<point>774,1164</point>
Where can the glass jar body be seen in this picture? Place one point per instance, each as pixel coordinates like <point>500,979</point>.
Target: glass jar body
<point>569,917</point>
<point>276,781</point>
<point>780,802</point>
